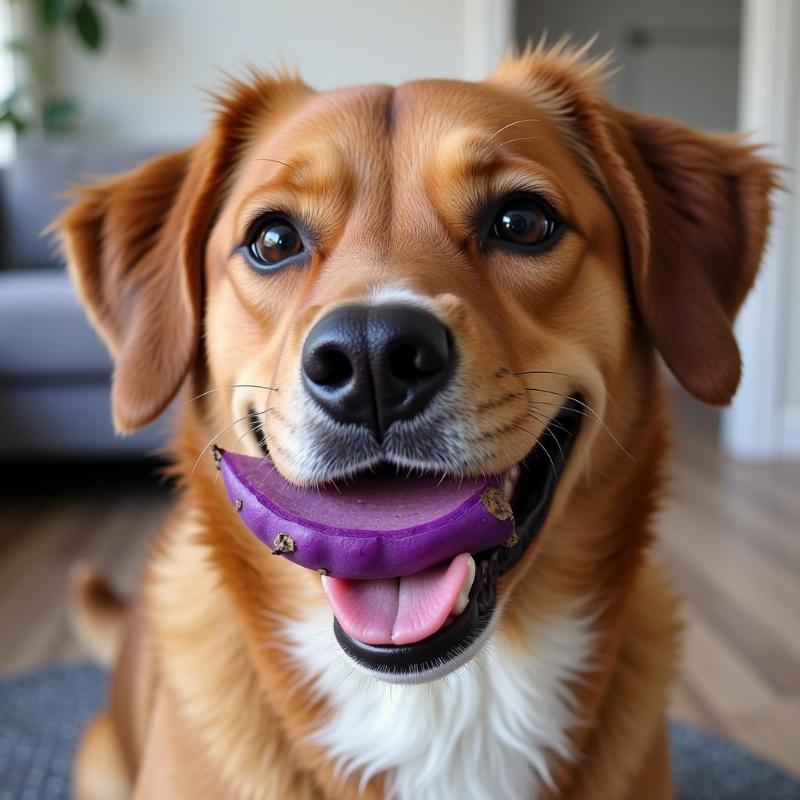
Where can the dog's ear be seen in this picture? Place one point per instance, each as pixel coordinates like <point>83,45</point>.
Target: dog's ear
<point>695,210</point>
<point>134,245</point>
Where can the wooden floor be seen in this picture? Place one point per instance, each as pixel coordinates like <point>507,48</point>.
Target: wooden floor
<point>730,539</point>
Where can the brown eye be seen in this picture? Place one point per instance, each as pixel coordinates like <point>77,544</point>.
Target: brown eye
<point>524,222</point>
<point>273,243</point>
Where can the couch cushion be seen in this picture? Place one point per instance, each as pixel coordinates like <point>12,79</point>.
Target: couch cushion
<point>44,332</point>
<point>32,191</point>
<point>69,420</point>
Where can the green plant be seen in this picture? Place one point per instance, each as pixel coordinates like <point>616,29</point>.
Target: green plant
<point>34,103</point>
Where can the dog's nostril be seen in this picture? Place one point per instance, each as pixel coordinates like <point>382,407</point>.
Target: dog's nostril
<point>329,367</point>
<point>402,362</point>
<point>410,362</point>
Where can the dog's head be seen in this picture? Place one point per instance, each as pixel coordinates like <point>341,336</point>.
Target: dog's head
<point>434,282</point>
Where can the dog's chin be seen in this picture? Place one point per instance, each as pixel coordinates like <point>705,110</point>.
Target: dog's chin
<point>530,486</point>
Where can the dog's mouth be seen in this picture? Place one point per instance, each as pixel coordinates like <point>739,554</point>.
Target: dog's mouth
<point>410,565</point>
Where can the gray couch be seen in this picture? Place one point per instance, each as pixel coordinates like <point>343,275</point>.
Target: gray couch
<point>54,371</point>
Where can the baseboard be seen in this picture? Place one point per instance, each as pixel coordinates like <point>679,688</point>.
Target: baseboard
<point>788,437</point>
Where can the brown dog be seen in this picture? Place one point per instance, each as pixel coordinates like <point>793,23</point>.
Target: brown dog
<point>447,278</point>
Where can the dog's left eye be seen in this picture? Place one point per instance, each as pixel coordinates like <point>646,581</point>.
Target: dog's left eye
<point>273,243</point>
<point>525,223</point>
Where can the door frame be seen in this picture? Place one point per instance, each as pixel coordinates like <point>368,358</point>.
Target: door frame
<point>760,423</point>
<point>488,34</point>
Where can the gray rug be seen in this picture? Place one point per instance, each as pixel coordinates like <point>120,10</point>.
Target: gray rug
<point>42,713</point>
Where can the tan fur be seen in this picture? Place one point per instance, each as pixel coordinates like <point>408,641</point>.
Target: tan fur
<point>100,772</point>
<point>667,227</point>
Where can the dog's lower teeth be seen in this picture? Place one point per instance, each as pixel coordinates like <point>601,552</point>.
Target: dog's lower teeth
<point>463,595</point>
<point>510,483</point>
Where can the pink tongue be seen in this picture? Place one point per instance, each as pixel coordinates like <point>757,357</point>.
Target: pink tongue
<point>398,610</point>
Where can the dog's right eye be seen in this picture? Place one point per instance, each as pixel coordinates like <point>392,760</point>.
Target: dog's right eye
<point>524,223</point>
<point>273,244</point>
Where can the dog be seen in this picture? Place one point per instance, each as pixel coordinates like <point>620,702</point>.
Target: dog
<point>419,288</point>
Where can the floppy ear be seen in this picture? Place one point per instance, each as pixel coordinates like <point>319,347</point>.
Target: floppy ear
<point>134,245</point>
<point>695,210</point>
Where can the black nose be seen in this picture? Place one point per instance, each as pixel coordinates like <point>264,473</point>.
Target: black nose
<point>374,365</point>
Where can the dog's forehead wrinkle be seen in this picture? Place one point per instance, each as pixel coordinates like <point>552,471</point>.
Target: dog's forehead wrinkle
<point>390,117</point>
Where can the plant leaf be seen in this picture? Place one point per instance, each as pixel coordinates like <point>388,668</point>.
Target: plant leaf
<point>23,48</point>
<point>53,12</point>
<point>59,114</point>
<point>18,46</point>
<point>9,117</point>
<point>88,26</point>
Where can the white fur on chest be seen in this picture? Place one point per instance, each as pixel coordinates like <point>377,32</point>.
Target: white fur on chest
<point>487,730</point>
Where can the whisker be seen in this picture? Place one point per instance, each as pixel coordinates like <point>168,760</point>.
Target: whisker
<point>540,443</point>
<point>254,426</point>
<point>525,430</point>
<point>268,459</point>
<point>510,141</point>
<point>510,125</point>
<point>235,386</point>
<point>549,457</point>
<point>217,435</point>
<point>548,421</point>
<point>566,397</point>
<point>547,429</point>
<point>543,372</point>
<point>591,411</point>
<point>611,399</point>
<point>558,445</point>
<point>275,161</point>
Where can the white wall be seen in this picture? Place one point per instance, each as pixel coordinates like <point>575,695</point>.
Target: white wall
<point>791,383</point>
<point>764,421</point>
<point>147,86</point>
